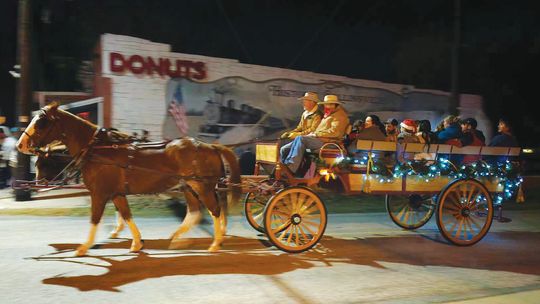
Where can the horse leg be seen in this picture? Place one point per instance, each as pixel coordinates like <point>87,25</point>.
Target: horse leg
<point>218,234</point>
<point>119,225</point>
<point>98,206</point>
<point>223,214</point>
<point>193,215</point>
<point>210,199</point>
<point>121,204</point>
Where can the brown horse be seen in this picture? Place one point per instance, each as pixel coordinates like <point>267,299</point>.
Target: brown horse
<point>111,171</point>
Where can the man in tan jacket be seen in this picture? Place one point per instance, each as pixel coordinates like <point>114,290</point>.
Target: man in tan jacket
<point>310,118</point>
<point>332,127</point>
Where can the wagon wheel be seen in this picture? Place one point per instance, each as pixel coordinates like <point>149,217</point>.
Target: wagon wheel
<point>410,211</point>
<point>254,204</point>
<point>464,212</point>
<point>255,201</point>
<point>295,219</point>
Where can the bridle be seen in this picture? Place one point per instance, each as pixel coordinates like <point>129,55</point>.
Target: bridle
<point>34,145</point>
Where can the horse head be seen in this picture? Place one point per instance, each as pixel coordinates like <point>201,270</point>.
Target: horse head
<point>42,130</point>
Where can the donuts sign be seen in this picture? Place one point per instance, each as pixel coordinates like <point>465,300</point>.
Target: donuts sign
<point>139,65</point>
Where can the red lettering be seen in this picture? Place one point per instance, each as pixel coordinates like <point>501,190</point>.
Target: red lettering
<point>172,73</point>
<point>117,63</point>
<point>200,68</point>
<point>134,67</point>
<point>152,67</point>
<point>162,66</point>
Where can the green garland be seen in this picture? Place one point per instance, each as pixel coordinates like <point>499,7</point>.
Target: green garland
<point>507,173</point>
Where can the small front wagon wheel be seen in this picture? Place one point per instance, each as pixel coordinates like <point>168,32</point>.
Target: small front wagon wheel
<point>464,212</point>
<point>254,204</point>
<point>295,219</point>
<point>410,211</point>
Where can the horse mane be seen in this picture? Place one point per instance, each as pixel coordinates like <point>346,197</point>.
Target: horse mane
<point>113,136</point>
<point>104,136</point>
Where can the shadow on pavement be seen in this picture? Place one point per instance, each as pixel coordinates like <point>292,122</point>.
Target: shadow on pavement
<point>503,251</point>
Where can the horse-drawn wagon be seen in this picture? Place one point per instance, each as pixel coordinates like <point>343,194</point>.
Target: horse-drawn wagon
<point>294,217</point>
<point>283,206</point>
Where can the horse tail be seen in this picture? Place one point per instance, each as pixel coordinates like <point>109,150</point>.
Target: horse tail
<point>234,168</point>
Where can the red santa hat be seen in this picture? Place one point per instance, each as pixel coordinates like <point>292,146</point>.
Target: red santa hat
<point>409,125</point>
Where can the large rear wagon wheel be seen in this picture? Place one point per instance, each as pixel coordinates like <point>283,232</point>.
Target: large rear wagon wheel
<point>295,219</point>
<point>464,212</point>
<point>410,211</point>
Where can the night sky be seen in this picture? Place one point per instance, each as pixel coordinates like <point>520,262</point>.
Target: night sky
<point>396,41</point>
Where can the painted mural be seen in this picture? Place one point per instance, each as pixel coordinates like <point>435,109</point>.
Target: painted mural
<point>235,109</point>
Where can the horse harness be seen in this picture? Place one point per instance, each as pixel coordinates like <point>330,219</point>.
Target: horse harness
<point>102,135</point>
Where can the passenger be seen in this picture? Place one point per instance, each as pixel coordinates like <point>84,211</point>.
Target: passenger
<point>504,138</point>
<point>373,130</point>
<point>424,134</point>
<point>471,137</point>
<point>471,124</point>
<point>310,119</point>
<point>450,135</point>
<point>357,127</point>
<point>407,132</point>
<point>391,125</point>
<point>332,128</point>
<point>451,132</point>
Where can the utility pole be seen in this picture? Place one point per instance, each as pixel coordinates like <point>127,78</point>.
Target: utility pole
<point>24,91</point>
<point>454,94</point>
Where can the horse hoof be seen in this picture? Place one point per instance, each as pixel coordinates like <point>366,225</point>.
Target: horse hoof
<point>113,235</point>
<point>135,247</point>
<point>214,248</point>
<point>180,243</point>
<point>81,251</point>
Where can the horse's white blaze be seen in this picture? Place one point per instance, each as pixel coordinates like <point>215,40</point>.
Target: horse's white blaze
<point>23,144</point>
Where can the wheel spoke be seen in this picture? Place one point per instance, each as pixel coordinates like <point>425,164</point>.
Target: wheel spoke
<point>309,230</point>
<point>280,238</point>
<point>475,223</point>
<point>258,217</point>
<point>460,225</point>
<point>402,212</point>
<point>304,236</point>
<point>294,200</point>
<point>290,234</point>
<point>468,228</point>
<point>309,208</point>
<point>296,235</point>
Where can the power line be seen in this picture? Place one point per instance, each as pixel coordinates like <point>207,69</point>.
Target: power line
<point>316,34</point>
<point>234,31</point>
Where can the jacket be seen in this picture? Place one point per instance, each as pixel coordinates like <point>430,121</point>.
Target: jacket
<point>333,126</point>
<point>308,123</point>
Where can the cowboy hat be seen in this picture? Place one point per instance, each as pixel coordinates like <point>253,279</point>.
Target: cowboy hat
<point>328,99</point>
<point>310,96</point>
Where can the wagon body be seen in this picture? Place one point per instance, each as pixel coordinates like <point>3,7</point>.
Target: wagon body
<point>294,217</point>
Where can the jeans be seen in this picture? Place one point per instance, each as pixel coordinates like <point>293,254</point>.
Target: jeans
<point>293,152</point>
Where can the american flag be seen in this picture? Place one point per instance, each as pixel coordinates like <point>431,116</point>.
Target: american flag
<point>178,111</point>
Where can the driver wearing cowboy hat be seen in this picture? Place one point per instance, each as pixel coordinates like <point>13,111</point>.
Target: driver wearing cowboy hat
<point>310,118</point>
<point>332,127</point>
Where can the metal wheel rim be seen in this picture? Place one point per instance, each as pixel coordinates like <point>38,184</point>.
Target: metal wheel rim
<point>408,214</point>
<point>295,219</point>
<point>465,212</point>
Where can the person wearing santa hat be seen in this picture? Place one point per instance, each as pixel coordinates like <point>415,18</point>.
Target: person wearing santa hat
<point>407,132</point>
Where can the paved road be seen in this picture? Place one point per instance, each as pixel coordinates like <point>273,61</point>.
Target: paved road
<point>364,258</point>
